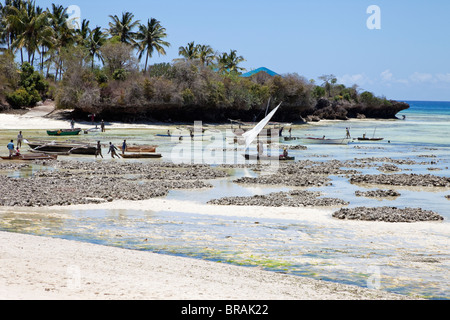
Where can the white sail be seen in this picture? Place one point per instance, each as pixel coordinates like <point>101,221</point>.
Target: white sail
<point>251,135</point>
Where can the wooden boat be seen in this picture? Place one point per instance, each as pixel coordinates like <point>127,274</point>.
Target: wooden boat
<point>31,157</point>
<point>64,132</point>
<point>270,158</point>
<point>370,139</point>
<point>148,149</point>
<point>343,141</point>
<point>62,147</point>
<point>141,156</point>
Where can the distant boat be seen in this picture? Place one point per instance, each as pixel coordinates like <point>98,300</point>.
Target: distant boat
<point>343,141</point>
<point>370,139</point>
<point>270,158</point>
<point>64,132</point>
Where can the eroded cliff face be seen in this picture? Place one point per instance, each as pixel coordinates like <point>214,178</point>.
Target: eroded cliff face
<point>323,110</point>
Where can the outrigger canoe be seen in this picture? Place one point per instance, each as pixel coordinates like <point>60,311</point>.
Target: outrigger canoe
<point>64,132</point>
<point>271,158</point>
<point>31,157</point>
<point>141,155</point>
<point>148,149</point>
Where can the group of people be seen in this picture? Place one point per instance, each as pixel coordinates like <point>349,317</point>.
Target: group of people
<point>13,150</point>
<point>102,123</point>
<point>112,149</point>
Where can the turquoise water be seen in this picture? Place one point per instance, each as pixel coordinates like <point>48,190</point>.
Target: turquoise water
<point>333,250</point>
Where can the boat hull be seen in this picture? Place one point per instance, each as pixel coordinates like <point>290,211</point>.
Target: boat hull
<point>65,132</point>
<point>31,157</point>
<point>141,156</point>
<point>370,139</point>
<point>274,158</point>
<point>326,141</point>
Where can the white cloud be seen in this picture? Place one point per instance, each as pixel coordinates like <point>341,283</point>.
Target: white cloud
<point>387,75</point>
<point>422,77</point>
<point>351,79</point>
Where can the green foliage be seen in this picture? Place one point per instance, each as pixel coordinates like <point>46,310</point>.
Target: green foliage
<point>188,96</point>
<point>31,88</point>
<point>319,92</point>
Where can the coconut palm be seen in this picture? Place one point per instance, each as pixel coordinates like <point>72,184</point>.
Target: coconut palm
<point>228,63</point>
<point>190,52</point>
<point>95,40</point>
<point>31,26</point>
<point>206,54</point>
<point>63,36</point>
<point>123,27</point>
<point>150,38</point>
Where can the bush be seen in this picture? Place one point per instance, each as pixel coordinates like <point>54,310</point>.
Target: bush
<point>19,98</point>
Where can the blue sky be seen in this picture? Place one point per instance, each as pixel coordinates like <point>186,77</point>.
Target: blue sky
<point>407,59</point>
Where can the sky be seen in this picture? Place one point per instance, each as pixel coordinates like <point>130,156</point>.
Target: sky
<point>400,51</point>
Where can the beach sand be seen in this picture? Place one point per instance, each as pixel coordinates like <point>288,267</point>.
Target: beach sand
<point>40,268</point>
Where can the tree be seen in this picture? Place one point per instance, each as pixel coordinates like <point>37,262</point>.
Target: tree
<point>123,27</point>
<point>206,54</point>
<point>150,38</point>
<point>94,42</point>
<point>190,52</point>
<point>229,63</point>
<point>328,81</point>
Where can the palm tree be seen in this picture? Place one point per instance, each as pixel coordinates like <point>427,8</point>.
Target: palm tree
<point>228,63</point>
<point>206,54</point>
<point>190,52</point>
<point>150,38</point>
<point>123,28</point>
<point>31,25</point>
<point>64,35</point>
<point>95,40</point>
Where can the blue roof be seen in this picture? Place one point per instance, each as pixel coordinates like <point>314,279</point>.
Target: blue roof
<point>253,72</point>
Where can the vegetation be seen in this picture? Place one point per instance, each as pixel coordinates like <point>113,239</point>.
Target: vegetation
<point>109,71</point>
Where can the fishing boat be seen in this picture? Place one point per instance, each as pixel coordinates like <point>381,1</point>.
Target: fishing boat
<point>270,158</point>
<point>310,140</point>
<point>53,147</point>
<point>370,139</point>
<point>31,157</point>
<point>136,148</point>
<point>64,132</point>
<point>141,156</point>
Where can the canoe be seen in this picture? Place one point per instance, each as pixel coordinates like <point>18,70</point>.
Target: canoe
<point>370,139</point>
<point>271,158</point>
<point>64,132</point>
<point>343,141</point>
<point>140,155</point>
<point>62,147</point>
<point>30,157</point>
<point>148,149</point>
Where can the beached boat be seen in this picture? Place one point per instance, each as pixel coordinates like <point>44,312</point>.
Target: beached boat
<point>31,157</point>
<point>148,149</point>
<point>64,132</point>
<point>343,141</point>
<point>141,156</point>
<point>54,147</point>
<point>270,158</point>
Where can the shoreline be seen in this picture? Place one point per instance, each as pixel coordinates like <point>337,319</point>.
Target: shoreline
<point>40,268</point>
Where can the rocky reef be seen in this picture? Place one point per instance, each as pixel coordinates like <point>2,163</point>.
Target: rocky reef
<point>387,214</point>
<point>281,199</point>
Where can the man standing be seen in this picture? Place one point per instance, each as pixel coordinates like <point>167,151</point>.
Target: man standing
<point>10,147</point>
<point>19,139</point>
<point>124,146</point>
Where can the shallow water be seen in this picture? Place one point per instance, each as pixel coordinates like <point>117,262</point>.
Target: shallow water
<point>401,258</point>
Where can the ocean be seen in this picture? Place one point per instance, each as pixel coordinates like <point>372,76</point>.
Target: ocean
<point>401,258</point>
